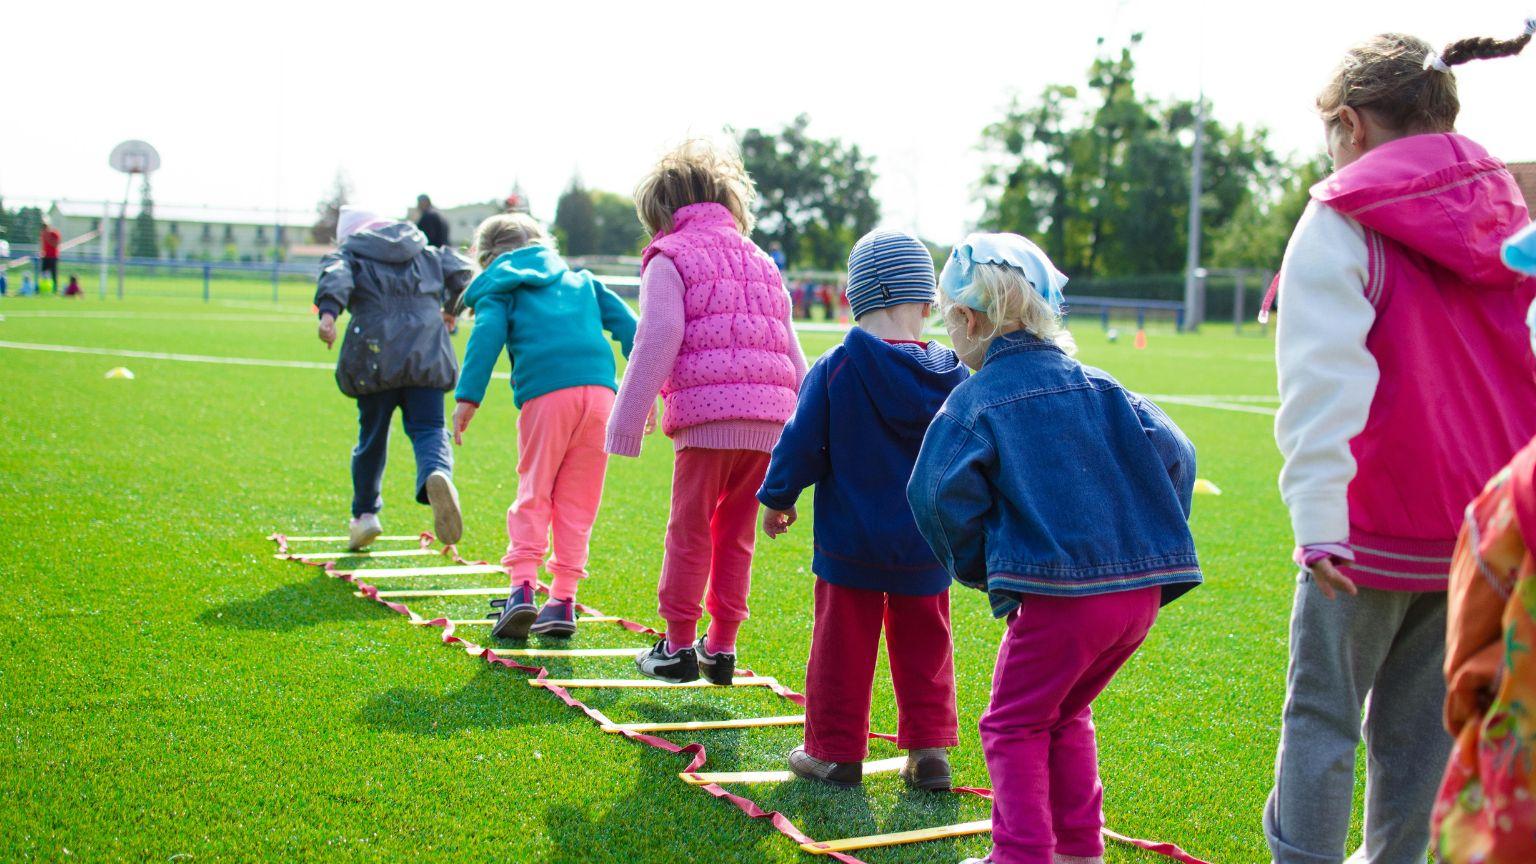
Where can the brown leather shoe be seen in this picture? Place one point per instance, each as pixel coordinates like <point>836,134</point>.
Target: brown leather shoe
<point>927,769</point>
<point>843,775</point>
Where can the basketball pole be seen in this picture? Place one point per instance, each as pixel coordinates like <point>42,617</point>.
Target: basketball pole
<point>106,241</point>
<point>122,234</point>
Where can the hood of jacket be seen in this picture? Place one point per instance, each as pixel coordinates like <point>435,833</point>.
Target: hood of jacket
<point>394,243</point>
<point>906,392</point>
<point>535,266</point>
<point>1440,195</point>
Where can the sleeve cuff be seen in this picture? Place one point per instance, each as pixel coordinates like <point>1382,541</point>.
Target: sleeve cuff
<point>1319,520</point>
<point>468,401</point>
<point>324,308</point>
<point>772,503</point>
<point>1306,556</point>
<point>620,444</point>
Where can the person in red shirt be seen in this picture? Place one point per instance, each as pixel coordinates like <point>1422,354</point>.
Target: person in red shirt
<point>49,239</point>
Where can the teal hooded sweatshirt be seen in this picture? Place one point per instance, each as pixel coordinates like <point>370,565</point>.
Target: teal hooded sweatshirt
<point>550,318</point>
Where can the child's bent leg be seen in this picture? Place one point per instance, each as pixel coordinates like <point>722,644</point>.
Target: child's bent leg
<point>1337,648</point>
<point>922,670</point>
<point>840,675</point>
<point>375,411</point>
<point>733,534</point>
<point>543,432</point>
<point>1404,733</point>
<point>698,476</point>
<point>578,493</point>
<point>421,410</point>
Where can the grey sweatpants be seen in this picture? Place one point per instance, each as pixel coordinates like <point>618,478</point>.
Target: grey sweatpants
<point>1390,646</point>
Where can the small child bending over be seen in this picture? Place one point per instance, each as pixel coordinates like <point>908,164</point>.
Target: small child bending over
<point>551,319</point>
<point>716,341</point>
<point>1066,498</point>
<point>855,435</point>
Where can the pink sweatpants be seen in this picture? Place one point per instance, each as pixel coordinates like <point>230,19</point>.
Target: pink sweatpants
<point>560,468</point>
<point>1037,734</point>
<point>710,537</point>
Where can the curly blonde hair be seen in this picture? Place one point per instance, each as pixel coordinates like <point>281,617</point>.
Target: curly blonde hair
<point>508,232</point>
<point>697,171</point>
<point>1011,303</point>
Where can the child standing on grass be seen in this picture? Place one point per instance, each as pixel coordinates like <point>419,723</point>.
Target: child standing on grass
<point>716,341</point>
<point>396,355</point>
<point>1404,384</point>
<point>551,319</point>
<point>855,436</point>
<point>1066,498</point>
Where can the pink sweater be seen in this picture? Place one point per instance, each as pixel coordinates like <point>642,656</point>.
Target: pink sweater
<point>658,342</point>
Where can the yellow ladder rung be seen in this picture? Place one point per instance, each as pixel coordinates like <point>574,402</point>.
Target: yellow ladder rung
<point>398,572</point>
<point>343,538</point>
<point>648,684</point>
<point>470,622</point>
<point>854,844</point>
<point>442,592</point>
<point>704,778</point>
<point>696,725</point>
<point>382,553</point>
<point>564,652</point>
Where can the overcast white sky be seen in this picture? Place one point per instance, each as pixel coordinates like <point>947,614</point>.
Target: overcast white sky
<point>260,107</point>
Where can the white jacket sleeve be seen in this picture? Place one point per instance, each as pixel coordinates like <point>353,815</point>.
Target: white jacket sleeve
<point>1327,375</point>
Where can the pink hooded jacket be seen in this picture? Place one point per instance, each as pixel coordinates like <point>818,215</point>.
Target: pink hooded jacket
<point>1456,397</point>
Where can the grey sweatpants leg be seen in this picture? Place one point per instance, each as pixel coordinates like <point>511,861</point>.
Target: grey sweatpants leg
<point>1389,645</point>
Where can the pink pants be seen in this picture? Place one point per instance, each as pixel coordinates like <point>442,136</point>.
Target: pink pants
<point>710,537</point>
<point>560,468</point>
<point>1037,733</point>
<point>844,647</point>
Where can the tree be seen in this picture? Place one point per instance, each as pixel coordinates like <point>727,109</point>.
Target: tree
<point>1101,177</point>
<point>815,197</point>
<point>619,231</point>
<point>576,220</point>
<point>1256,236</point>
<point>329,209</point>
<point>143,241</point>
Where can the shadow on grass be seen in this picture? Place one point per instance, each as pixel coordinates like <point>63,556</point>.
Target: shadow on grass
<point>320,600</point>
<point>493,699</point>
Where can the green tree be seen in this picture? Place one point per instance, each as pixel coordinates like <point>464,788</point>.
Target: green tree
<point>1258,233</point>
<point>143,241</point>
<point>1101,176</point>
<point>26,224</point>
<point>815,196</point>
<point>619,231</point>
<point>576,224</point>
<point>329,209</point>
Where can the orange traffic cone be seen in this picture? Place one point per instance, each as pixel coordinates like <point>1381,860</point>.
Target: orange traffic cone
<point>1141,340</point>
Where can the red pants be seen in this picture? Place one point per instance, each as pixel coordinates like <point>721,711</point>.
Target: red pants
<point>845,645</point>
<point>710,536</point>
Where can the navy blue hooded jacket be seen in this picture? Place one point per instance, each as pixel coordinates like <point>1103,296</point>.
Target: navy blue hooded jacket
<point>863,410</point>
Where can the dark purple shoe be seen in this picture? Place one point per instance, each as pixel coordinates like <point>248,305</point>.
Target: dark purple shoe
<point>516,616</point>
<point>557,618</point>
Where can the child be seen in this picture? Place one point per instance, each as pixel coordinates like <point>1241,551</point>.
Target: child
<point>855,435</point>
<point>1066,498</point>
<point>551,320</point>
<point>716,341</point>
<point>1486,812</point>
<point>1403,386</point>
<point>396,355</point>
<point>73,288</point>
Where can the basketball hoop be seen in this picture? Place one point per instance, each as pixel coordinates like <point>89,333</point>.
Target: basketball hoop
<point>134,157</point>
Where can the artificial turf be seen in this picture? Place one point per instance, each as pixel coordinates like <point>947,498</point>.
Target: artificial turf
<point>169,691</point>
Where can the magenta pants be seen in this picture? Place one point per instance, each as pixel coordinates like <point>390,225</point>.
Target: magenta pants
<point>560,470</point>
<point>1037,734</point>
<point>844,647</point>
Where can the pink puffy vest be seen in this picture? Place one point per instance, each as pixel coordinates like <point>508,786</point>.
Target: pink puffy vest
<point>734,363</point>
<point>1457,393</point>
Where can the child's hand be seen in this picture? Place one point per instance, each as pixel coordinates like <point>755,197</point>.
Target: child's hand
<point>1330,581</point>
<point>462,414</point>
<point>650,420</point>
<point>776,522</point>
<point>450,320</point>
<point>328,330</point>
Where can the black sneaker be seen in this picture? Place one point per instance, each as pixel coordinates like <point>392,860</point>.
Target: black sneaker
<point>516,615</point>
<point>557,618</point>
<point>658,663</point>
<point>718,668</point>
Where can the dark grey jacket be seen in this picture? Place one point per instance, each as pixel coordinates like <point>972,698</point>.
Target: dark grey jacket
<point>396,287</point>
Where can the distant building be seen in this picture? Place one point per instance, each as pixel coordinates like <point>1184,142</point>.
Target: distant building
<point>198,233</point>
<point>1525,175</point>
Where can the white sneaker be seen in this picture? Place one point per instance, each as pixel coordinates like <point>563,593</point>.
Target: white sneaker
<point>364,530</point>
<point>447,521</point>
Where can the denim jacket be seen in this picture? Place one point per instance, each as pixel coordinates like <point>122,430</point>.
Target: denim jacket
<point>1044,476</point>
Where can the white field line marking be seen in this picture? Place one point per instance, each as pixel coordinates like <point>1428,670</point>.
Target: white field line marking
<point>270,318</point>
<point>1203,402</point>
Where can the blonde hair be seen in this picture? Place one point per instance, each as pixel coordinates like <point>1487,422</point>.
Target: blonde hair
<point>695,172</point>
<point>508,232</point>
<point>1011,303</point>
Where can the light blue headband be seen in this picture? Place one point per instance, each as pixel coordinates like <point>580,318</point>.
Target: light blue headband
<point>958,279</point>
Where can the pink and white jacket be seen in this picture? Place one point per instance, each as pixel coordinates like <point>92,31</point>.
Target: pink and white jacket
<point>1405,376</point>
<point>715,339</point>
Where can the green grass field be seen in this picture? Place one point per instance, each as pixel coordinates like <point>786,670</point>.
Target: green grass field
<point>171,692</point>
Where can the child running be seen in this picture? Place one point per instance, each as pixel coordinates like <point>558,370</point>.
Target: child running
<point>1404,384</point>
<point>716,341</point>
<point>1066,498</point>
<point>396,355</point>
<point>551,319</point>
<point>855,436</point>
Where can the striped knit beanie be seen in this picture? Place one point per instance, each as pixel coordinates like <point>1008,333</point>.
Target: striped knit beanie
<point>888,268</point>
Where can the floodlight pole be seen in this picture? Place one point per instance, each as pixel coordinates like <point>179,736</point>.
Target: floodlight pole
<point>1192,311</point>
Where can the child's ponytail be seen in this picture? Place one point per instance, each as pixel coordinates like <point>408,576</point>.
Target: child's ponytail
<point>1485,48</point>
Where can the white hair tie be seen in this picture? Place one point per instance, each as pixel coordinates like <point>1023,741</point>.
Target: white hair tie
<point>1434,61</point>
<point>1530,26</point>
